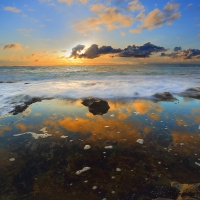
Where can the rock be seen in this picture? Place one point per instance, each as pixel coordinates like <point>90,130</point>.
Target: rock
<point>140,141</point>
<point>96,106</point>
<point>87,147</point>
<point>88,101</point>
<point>118,170</point>
<point>164,96</point>
<point>191,92</point>
<point>21,108</point>
<point>64,136</point>
<point>108,147</point>
<point>82,170</point>
<point>12,159</point>
<point>198,164</point>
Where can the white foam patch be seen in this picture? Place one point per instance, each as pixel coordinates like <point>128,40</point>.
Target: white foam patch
<point>13,94</point>
<point>35,135</point>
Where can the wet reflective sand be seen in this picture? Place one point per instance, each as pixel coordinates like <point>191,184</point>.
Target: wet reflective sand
<point>139,149</point>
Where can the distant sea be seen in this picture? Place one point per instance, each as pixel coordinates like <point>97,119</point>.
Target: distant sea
<point>18,84</point>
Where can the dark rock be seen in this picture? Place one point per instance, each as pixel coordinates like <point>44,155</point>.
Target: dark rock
<point>21,108</point>
<point>26,83</point>
<point>165,96</point>
<point>8,81</point>
<point>192,93</point>
<point>96,106</point>
<point>88,101</point>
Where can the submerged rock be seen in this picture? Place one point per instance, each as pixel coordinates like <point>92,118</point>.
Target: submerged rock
<point>191,92</point>
<point>96,106</point>
<point>140,141</point>
<point>87,147</point>
<point>82,170</point>
<point>165,96</point>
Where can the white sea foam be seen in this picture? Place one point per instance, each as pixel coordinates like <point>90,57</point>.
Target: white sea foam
<point>83,82</point>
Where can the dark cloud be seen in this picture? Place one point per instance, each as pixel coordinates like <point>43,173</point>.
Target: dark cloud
<point>76,50</point>
<point>177,48</point>
<point>131,51</point>
<point>94,51</point>
<point>141,51</point>
<point>184,54</point>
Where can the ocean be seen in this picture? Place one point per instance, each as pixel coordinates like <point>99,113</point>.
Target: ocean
<point>100,132</point>
<point>19,84</point>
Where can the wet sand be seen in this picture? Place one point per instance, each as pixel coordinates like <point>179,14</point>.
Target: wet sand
<point>139,149</point>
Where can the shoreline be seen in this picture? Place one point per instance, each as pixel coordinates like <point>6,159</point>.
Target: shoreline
<point>193,93</point>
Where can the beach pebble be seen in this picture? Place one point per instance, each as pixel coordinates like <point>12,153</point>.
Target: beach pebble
<point>83,170</point>
<point>112,115</point>
<point>118,132</point>
<point>94,187</point>
<point>181,144</point>
<point>12,159</point>
<point>108,147</point>
<point>118,170</point>
<point>104,199</point>
<point>86,181</point>
<point>63,136</point>
<point>106,126</point>
<point>87,147</point>
<point>140,141</point>
<point>199,126</point>
<point>198,164</point>
<point>113,192</point>
<point>112,177</point>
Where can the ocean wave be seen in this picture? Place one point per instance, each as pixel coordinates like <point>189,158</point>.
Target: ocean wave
<point>107,87</point>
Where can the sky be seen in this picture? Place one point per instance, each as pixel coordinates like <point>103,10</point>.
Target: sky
<point>99,32</point>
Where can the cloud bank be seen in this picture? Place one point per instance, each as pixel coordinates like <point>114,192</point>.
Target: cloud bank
<point>131,51</point>
<point>183,54</point>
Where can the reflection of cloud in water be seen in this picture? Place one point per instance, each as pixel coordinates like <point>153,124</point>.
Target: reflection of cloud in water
<point>96,126</point>
<point>22,127</point>
<point>189,139</point>
<point>4,128</point>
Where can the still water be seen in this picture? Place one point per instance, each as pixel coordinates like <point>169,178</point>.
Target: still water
<point>138,149</point>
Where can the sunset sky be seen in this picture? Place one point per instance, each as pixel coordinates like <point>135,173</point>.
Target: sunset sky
<point>85,32</point>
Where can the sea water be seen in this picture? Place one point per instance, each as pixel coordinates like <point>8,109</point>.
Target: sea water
<point>139,148</point>
<point>19,84</point>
